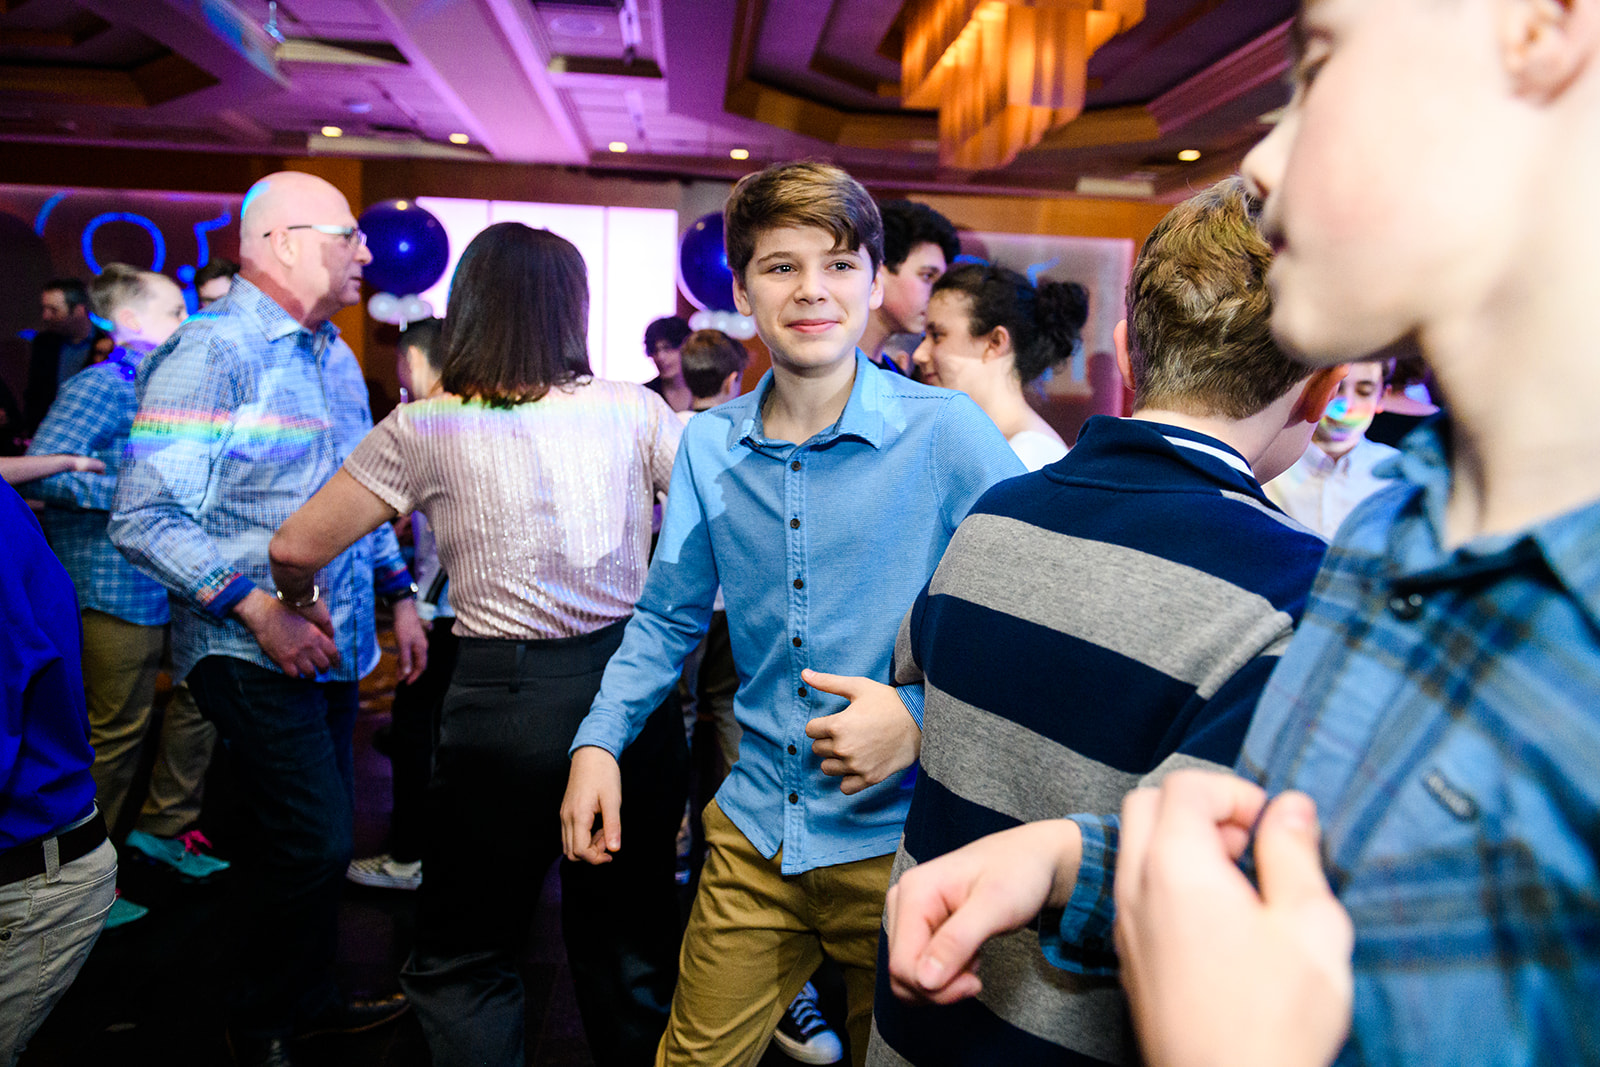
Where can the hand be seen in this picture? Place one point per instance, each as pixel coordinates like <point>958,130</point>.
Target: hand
<point>594,788</point>
<point>87,465</point>
<point>869,740</point>
<point>1215,971</point>
<point>939,914</point>
<point>412,637</point>
<point>301,646</point>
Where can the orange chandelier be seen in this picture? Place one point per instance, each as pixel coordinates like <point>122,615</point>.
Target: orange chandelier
<point>1003,73</point>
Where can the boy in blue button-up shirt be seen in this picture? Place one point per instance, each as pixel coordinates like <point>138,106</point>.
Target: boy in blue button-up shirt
<point>785,496</point>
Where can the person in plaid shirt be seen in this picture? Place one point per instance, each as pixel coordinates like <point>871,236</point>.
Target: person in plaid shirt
<point>243,415</point>
<point>124,610</point>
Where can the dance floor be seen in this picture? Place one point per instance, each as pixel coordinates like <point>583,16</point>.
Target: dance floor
<point>152,991</point>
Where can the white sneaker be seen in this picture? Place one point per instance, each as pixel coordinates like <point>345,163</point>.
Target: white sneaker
<point>804,1035</point>
<point>384,872</point>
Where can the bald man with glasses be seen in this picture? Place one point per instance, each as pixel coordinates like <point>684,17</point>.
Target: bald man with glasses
<point>243,415</point>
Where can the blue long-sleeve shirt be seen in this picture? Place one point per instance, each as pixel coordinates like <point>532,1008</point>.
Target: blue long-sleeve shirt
<point>820,548</point>
<point>92,416</point>
<point>45,756</point>
<point>244,414</point>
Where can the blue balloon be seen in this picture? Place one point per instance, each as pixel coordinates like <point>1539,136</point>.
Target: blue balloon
<point>703,272</point>
<point>409,247</point>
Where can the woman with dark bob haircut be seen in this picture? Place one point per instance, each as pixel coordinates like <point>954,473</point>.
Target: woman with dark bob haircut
<point>538,480</point>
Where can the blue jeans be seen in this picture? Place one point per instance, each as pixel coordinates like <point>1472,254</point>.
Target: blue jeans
<point>288,743</point>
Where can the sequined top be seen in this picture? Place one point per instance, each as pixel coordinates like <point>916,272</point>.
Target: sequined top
<point>542,510</point>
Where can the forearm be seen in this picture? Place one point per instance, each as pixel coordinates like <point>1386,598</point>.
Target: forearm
<point>162,539</point>
<point>19,469</point>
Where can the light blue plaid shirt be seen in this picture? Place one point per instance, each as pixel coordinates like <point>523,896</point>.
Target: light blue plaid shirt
<point>243,415</point>
<point>92,416</point>
<point>1442,707</point>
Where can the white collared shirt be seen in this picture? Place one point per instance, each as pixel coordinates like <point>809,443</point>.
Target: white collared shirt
<point>1321,492</point>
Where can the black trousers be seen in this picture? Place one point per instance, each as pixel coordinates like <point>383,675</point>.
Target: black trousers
<point>413,731</point>
<point>494,829</point>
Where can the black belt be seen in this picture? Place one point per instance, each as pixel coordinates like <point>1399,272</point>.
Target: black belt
<point>25,861</point>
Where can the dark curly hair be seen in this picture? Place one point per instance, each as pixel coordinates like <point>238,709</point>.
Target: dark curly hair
<point>1044,321</point>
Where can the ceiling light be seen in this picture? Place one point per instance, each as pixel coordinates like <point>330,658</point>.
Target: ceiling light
<point>739,153</point>
<point>332,131</point>
<point>1002,74</point>
<point>459,138</point>
<point>618,146</point>
<point>1189,155</point>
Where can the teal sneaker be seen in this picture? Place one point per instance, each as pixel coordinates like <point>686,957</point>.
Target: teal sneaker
<point>189,854</point>
<point>124,911</point>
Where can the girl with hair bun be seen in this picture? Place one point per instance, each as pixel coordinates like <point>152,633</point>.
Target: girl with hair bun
<point>990,332</point>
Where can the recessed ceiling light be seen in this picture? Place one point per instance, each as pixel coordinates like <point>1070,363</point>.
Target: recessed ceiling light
<point>739,153</point>
<point>618,146</point>
<point>459,138</point>
<point>358,107</point>
<point>332,131</point>
<point>1189,155</point>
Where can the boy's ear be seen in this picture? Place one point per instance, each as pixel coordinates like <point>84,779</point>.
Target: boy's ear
<point>741,299</point>
<point>1545,44</point>
<point>126,320</point>
<point>1119,342</point>
<point>875,300</point>
<point>730,384</point>
<point>1317,393</point>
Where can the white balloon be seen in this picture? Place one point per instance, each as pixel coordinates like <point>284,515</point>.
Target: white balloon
<point>385,307</point>
<point>415,309</point>
<point>743,327</point>
<point>700,320</point>
<point>720,321</point>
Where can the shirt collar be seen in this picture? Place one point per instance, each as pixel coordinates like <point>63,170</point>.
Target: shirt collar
<point>273,321</point>
<point>861,418</point>
<point>1568,543</point>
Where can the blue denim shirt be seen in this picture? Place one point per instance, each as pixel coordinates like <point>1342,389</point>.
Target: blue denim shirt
<point>243,415</point>
<point>795,535</point>
<point>92,416</point>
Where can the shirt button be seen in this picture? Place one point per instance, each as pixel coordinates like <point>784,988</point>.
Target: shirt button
<point>798,642</point>
<point>792,750</point>
<point>794,524</point>
<point>799,583</point>
<point>794,798</point>
<point>802,690</point>
<point>795,465</point>
<point>1406,608</point>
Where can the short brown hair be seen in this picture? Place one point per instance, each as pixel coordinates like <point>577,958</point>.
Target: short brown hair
<point>117,286</point>
<point>708,357</point>
<point>812,194</point>
<point>1199,315</point>
<point>518,321</point>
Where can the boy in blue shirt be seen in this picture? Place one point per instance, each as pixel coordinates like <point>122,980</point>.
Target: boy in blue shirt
<point>124,610</point>
<point>784,497</point>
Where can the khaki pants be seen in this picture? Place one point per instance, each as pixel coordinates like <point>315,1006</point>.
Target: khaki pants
<point>754,938</point>
<point>120,663</point>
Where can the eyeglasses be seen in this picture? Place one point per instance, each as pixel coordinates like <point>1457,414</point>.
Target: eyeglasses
<point>352,235</point>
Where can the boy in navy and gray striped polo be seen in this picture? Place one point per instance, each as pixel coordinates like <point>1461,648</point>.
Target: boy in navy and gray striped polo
<point>1102,621</point>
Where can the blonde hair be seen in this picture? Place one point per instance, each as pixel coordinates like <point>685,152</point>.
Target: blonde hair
<point>1199,314</point>
<point>118,286</point>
